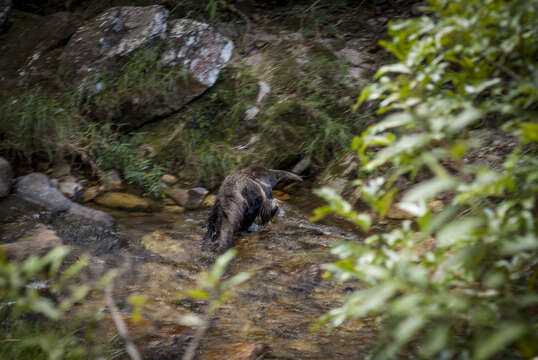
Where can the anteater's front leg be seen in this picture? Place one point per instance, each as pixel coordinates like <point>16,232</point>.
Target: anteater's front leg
<point>226,237</point>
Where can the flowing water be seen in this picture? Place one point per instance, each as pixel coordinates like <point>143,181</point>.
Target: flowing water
<point>160,255</point>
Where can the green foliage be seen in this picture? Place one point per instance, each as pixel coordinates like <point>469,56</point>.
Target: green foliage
<point>463,285</point>
<point>34,124</point>
<point>210,127</point>
<point>317,121</point>
<point>31,317</point>
<point>213,288</point>
<point>123,152</point>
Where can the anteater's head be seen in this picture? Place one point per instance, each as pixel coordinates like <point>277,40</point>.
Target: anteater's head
<point>272,177</point>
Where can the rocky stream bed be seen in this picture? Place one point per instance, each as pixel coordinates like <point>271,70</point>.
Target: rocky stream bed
<point>159,255</point>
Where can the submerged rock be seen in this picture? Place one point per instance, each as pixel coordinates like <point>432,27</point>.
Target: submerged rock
<point>165,246</point>
<point>122,201</point>
<point>154,340</point>
<point>6,177</point>
<point>39,242</point>
<point>91,214</point>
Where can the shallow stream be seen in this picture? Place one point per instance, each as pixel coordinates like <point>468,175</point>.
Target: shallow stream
<point>160,255</point>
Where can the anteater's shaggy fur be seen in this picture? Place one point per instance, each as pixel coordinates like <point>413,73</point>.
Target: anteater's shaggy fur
<point>243,196</point>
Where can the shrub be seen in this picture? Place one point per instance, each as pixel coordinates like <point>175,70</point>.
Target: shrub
<point>110,150</point>
<point>459,283</point>
<point>38,296</point>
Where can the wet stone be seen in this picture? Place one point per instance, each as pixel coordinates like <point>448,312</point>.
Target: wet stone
<point>122,201</point>
<point>190,199</point>
<point>37,189</point>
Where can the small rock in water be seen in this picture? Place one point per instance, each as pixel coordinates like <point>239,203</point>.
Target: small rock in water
<point>122,201</point>
<point>190,199</point>
<point>71,188</point>
<point>92,214</point>
<point>175,209</point>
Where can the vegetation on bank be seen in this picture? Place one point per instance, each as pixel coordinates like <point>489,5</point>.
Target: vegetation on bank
<point>459,283</point>
<point>39,314</point>
<point>307,114</point>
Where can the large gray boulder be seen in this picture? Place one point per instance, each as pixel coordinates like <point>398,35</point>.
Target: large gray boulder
<point>197,47</point>
<point>190,53</point>
<point>41,65</point>
<point>106,42</point>
<point>38,189</point>
<point>6,177</point>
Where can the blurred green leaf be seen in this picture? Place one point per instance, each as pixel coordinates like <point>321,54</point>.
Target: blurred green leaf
<point>457,230</point>
<point>236,280</point>
<point>435,341</point>
<point>498,339</point>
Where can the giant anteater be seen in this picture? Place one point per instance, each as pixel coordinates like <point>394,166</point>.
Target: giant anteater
<point>243,196</point>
